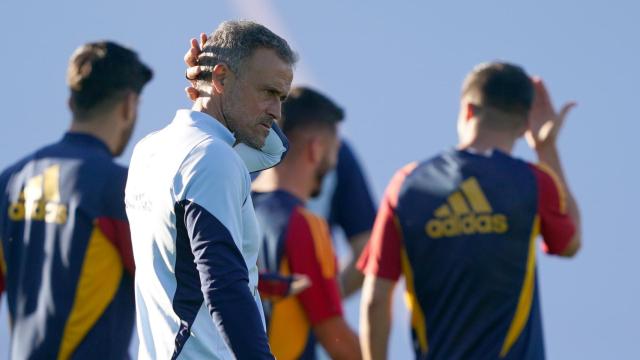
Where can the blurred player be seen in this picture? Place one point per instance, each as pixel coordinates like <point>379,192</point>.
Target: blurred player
<point>297,241</point>
<point>195,234</point>
<point>65,258</point>
<point>346,202</point>
<point>462,227</point>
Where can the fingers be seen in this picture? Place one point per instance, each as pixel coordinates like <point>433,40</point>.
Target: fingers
<point>300,283</point>
<point>564,111</point>
<point>195,49</point>
<point>541,93</point>
<point>192,93</point>
<point>203,40</point>
<point>191,57</point>
<point>193,72</point>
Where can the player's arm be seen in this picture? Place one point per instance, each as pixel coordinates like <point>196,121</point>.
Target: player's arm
<point>211,209</point>
<point>310,252</point>
<point>352,208</point>
<point>337,338</point>
<point>274,286</point>
<point>375,316</point>
<point>351,278</point>
<point>544,126</point>
<point>381,264</point>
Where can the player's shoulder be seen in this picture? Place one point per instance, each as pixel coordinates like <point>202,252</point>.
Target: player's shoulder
<point>213,161</point>
<point>215,155</point>
<point>23,163</point>
<point>548,182</point>
<point>300,216</point>
<point>312,236</point>
<point>14,168</point>
<point>211,169</point>
<point>543,172</point>
<point>304,221</point>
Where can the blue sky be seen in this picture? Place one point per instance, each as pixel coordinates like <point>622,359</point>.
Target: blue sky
<point>396,67</point>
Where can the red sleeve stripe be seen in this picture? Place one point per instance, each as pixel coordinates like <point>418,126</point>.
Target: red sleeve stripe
<point>117,231</point>
<point>393,190</point>
<point>381,256</point>
<point>556,180</point>
<point>321,243</point>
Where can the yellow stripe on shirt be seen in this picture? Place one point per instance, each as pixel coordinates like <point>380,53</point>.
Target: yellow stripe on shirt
<point>99,280</point>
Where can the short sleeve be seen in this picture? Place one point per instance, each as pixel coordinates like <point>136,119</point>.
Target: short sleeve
<point>556,226</point>
<point>310,252</point>
<point>352,207</point>
<point>382,256</point>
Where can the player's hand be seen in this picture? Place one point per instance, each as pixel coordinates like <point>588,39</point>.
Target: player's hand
<point>193,70</point>
<point>544,122</point>
<point>299,284</point>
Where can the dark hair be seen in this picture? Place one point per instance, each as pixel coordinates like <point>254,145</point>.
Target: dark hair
<point>503,86</point>
<point>305,107</point>
<point>100,73</point>
<point>234,41</point>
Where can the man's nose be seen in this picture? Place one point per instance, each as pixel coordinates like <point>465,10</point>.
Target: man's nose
<point>275,109</point>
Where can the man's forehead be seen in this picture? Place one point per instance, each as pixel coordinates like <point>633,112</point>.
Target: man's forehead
<point>266,67</point>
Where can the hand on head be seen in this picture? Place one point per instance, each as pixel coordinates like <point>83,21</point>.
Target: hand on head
<point>544,122</point>
<point>193,70</point>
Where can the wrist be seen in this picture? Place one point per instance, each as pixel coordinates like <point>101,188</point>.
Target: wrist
<point>547,152</point>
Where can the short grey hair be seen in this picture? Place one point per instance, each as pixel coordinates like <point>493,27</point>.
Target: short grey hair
<point>234,41</point>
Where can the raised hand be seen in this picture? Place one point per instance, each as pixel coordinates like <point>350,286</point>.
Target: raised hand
<point>544,122</point>
<point>193,70</point>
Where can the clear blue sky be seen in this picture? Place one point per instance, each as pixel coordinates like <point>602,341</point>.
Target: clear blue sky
<point>397,69</point>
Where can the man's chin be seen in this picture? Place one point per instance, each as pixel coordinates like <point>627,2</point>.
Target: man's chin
<point>254,142</point>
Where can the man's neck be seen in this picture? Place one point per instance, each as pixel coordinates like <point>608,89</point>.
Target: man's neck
<point>98,128</point>
<point>488,140</point>
<point>283,178</point>
<point>212,107</point>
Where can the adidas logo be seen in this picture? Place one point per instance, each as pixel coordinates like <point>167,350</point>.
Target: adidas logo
<point>467,212</point>
<point>40,199</point>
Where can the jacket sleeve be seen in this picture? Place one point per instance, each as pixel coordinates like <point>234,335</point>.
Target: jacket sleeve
<point>212,199</point>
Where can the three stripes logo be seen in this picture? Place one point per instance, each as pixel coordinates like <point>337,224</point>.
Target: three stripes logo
<point>466,212</point>
<point>40,199</point>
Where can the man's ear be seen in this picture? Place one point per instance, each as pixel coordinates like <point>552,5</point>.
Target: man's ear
<point>314,149</point>
<point>470,111</point>
<point>523,129</point>
<point>220,75</point>
<point>129,107</point>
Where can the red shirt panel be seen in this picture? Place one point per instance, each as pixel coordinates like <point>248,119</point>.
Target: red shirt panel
<point>310,252</point>
<point>382,256</point>
<point>556,226</point>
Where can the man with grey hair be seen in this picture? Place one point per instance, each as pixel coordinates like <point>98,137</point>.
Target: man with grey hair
<point>194,230</point>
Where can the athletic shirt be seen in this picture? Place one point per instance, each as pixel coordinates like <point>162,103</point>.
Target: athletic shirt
<point>462,228</point>
<point>296,241</point>
<point>65,253</point>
